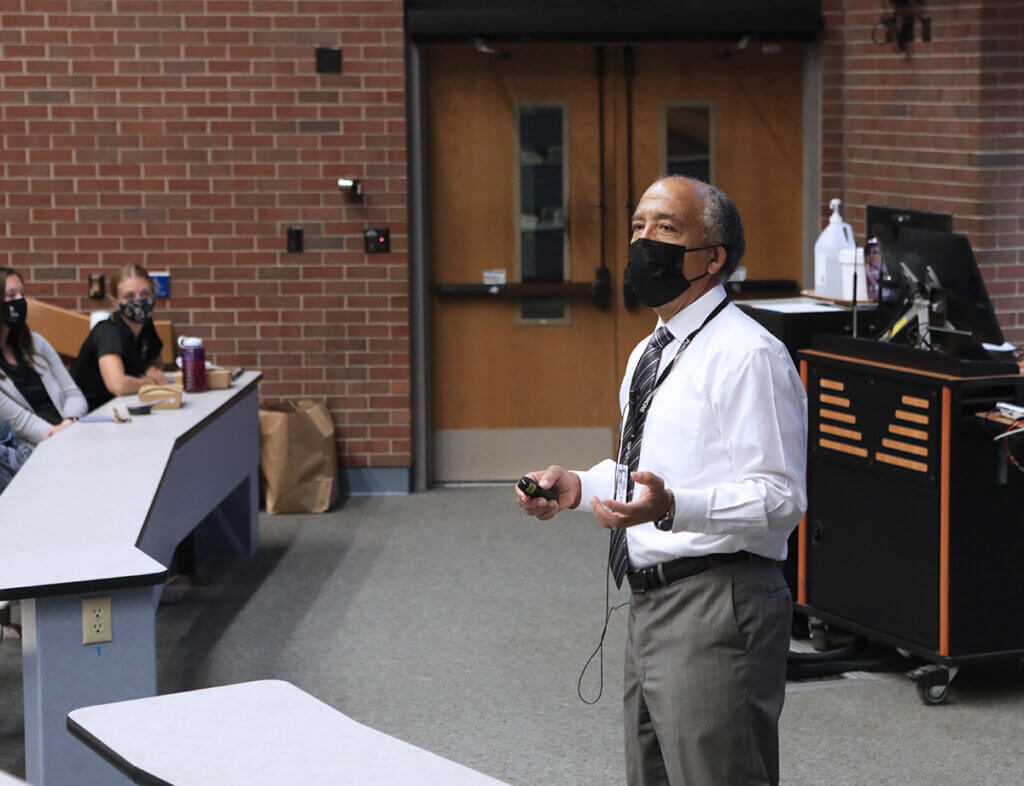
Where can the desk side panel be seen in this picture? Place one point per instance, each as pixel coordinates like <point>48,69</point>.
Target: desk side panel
<point>217,464</point>
<point>986,527</point>
<point>62,674</point>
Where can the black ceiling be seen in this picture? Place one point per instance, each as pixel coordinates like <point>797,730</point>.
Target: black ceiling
<point>613,20</point>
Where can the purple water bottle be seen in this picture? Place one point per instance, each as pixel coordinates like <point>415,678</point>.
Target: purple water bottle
<point>193,364</point>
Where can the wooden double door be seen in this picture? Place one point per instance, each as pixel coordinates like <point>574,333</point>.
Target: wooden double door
<point>537,156</point>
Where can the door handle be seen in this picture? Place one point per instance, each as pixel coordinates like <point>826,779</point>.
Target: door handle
<point>601,289</point>
<point>598,291</point>
<point>629,298</point>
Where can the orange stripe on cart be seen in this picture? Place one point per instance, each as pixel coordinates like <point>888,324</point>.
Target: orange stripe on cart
<point>913,401</point>
<point>837,401</point>
<point>801,538</point>
<point>947,405</point>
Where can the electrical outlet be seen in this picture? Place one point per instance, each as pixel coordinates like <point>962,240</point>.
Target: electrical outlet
<point>96,620</point>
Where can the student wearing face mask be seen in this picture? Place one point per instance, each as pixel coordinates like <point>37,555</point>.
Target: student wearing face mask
<point>122,353</point>
<point>37,395</point>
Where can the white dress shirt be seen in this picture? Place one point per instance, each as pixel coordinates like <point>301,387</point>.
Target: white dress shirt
<point>727,432</point>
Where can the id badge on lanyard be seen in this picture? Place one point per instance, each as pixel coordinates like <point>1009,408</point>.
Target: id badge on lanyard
<point>621,487</point>
<point>621,482</point>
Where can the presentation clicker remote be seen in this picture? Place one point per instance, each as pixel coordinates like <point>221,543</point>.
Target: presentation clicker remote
<point>530,488</point>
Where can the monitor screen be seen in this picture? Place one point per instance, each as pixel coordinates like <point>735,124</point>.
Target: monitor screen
<point>950,256</point>
<point>880,217</point>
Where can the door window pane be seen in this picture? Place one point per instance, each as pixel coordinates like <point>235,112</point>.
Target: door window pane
<point>688,133</point>
<point>543,249</point>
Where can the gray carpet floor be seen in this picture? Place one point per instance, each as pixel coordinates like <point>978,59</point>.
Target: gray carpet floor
<point>450,620</point>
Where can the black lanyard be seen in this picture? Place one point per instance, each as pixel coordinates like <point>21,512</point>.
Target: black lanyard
<point>627,447</point>
<point>686,342</point>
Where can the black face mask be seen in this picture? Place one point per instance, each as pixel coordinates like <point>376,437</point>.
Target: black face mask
<point>655,270</point>
<point>137,310</point>
<point>15,311</point>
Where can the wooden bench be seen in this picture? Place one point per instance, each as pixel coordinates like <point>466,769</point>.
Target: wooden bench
<point>264,733</point>
<point>66,330</point>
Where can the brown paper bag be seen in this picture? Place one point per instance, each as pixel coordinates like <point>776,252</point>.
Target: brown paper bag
<point>298,457</point>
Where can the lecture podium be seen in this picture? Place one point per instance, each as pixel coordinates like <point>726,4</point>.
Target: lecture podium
<point>97,511</point>
<point>914,533</point>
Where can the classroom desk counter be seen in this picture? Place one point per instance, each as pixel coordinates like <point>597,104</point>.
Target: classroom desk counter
<point>262,733</point>
<point>98,509</point>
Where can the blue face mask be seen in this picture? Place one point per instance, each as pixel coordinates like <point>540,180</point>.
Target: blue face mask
<point>655,270</point>
<point>137,310</point>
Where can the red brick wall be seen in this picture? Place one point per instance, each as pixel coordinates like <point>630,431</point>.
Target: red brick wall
<point>937,129</point>
<point>185,135</point>
<point>1001,157</point>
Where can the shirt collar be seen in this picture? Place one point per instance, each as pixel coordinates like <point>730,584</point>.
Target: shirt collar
<point>691,317</point>
<point>118,319</point>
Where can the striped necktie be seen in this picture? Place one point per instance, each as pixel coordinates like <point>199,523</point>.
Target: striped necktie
<point>640,390</point>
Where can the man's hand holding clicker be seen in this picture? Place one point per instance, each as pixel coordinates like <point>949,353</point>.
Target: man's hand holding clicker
<point>650,502</point>
<point>567,484</point>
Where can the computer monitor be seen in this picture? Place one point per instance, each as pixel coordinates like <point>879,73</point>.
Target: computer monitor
<point>880,217</point>
<point>950,256</point>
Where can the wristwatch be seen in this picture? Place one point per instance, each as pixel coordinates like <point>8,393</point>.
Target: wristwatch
<point>665,522</point>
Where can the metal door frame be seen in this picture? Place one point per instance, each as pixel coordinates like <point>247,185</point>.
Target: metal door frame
<point>419,235</point>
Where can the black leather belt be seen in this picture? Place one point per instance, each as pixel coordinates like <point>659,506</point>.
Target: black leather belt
<point>666,572</point>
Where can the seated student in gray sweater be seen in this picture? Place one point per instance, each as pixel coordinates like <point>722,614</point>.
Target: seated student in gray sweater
<point>37,395</point>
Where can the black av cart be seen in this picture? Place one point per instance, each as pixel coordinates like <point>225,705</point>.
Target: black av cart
<point>914,534</point>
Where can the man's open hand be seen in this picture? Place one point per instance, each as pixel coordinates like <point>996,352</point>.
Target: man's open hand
<point>650,502</point>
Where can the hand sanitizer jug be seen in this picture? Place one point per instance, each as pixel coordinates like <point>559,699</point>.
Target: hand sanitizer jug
<point>835,245</point>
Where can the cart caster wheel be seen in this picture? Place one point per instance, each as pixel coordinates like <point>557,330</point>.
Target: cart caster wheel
<point>933,695</point>
<point>933,682</point>
<point>822,639</point>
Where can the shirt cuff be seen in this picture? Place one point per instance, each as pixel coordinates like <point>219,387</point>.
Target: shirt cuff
<point>691,509</point>
<point>592,484</point>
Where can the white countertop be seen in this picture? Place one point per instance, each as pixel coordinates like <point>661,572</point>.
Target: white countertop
<point>74,512</point>
<point>794,305</point>
<point>264,733</point>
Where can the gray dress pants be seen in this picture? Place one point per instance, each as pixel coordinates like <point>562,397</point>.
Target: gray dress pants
<point>706,676</point>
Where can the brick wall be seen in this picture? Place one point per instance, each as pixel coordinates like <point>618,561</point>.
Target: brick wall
<point>1001,157</point>
<point>940,128</point>
<point>185,135</point>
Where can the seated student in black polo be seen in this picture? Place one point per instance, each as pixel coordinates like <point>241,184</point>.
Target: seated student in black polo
<point>122,353</point>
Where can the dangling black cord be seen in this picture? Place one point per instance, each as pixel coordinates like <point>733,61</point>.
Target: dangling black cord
<point>599,651</point>
<point>1010,457</point>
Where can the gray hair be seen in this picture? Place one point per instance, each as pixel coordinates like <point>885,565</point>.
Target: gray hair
<point>721,223</point>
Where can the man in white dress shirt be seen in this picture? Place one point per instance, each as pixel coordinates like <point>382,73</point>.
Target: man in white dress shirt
<point>716,451</point>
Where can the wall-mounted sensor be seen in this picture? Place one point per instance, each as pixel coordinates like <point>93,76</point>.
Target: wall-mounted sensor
<point>377,240</point>
<point>350,186</point>
<point>294,240</point>
<point>328,59</point>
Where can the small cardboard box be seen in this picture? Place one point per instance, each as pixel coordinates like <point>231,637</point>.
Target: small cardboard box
<point>168,395</point>
<point>218,378</point>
